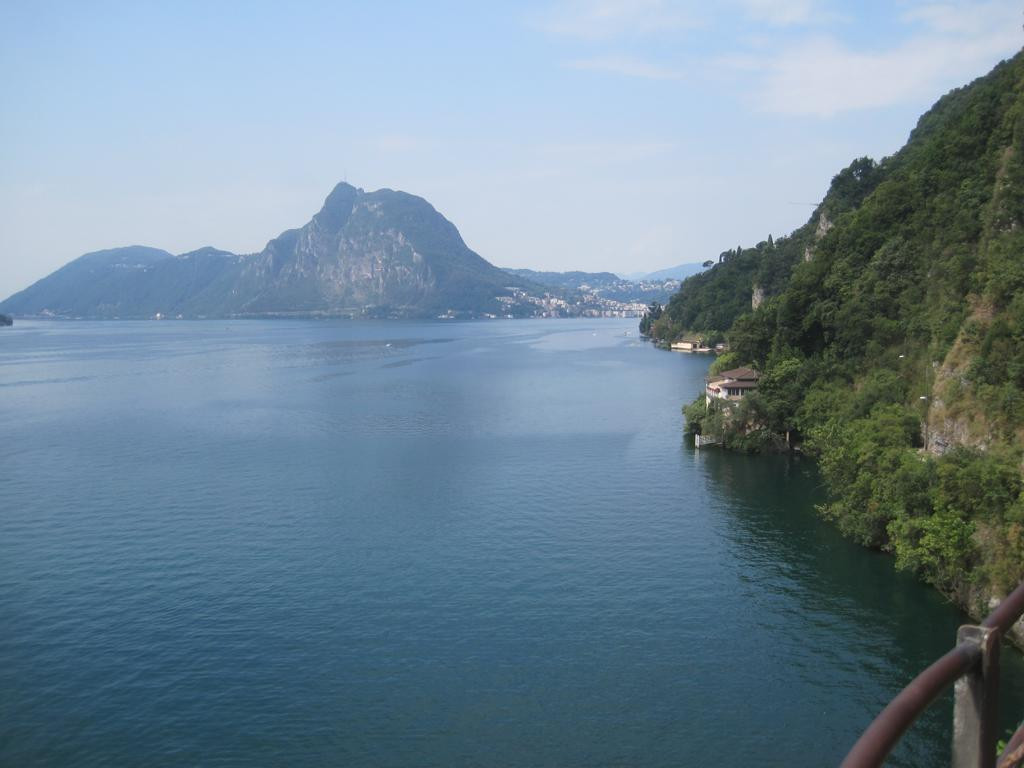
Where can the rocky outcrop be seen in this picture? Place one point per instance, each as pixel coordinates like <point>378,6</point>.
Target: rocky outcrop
<point>941,431</point>
<point>6,321</point>
<point>824,225</point>
<point>756,297</point>
<point>950,421</point>
<point>953,417</point>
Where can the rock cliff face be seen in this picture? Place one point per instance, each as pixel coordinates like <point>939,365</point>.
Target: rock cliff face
<point>364,253</point>
<point>953,417</point>
<point>824,225</point>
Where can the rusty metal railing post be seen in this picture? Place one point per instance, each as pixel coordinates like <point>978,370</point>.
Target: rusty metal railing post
<point>975,659</point>
<point>975,702</point>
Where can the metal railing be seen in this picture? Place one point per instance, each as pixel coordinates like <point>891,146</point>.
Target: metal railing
<point>973,665</point>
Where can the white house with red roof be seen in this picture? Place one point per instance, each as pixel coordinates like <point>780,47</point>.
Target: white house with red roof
<point>732,385</point>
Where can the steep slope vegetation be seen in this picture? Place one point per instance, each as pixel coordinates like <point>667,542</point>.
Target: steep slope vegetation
<point>712,301</point>
<point>895,344</point>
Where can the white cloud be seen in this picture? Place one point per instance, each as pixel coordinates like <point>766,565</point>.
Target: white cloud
<point>604,19</point>
<point>822,76</point>
<point>607,19</point>
<point>967,19</point>
<point>627,66</point>
<point>781,13</point>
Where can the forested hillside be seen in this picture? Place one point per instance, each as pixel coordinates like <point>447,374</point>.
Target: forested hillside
<point>890,334</point>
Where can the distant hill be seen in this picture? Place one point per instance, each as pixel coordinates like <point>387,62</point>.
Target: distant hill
<point>567,280</point>
<point>383,253</point>
<point>603,284</point>
<point>678,272</point>
<point>96,280</point>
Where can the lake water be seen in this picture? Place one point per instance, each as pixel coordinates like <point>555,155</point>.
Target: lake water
<point>397,544</point>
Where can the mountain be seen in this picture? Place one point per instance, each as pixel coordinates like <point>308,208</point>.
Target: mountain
<point>679,272</point>
<point>889,331</point>
<point>605,284</point>
<point>383,253</point>
<point>568,281</point>
<point>94,280</point>
<point>601,286</point>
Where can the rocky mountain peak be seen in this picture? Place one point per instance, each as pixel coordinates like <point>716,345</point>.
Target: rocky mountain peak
<point>337,207</point>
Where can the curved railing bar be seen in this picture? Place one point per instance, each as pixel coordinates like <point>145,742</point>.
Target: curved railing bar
<point>892,722</point>
<point>1003,617</point>
<point>1013,755</point>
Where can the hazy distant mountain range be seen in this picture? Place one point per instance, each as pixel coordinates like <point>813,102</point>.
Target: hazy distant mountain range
<point>604,284</point>
<point>365,254</point>
<point>678,272</point>
<point>566,280</point>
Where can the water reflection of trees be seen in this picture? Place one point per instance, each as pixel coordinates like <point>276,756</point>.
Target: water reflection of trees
<point>849,603</point>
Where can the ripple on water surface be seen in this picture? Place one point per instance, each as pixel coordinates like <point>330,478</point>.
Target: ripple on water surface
<point>321,543</point>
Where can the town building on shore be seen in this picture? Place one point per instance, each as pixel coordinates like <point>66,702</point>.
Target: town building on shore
<point>732,385</point>
<point>691,344</point>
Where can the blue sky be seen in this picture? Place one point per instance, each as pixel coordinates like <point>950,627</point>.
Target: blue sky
<point>580,134</point>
